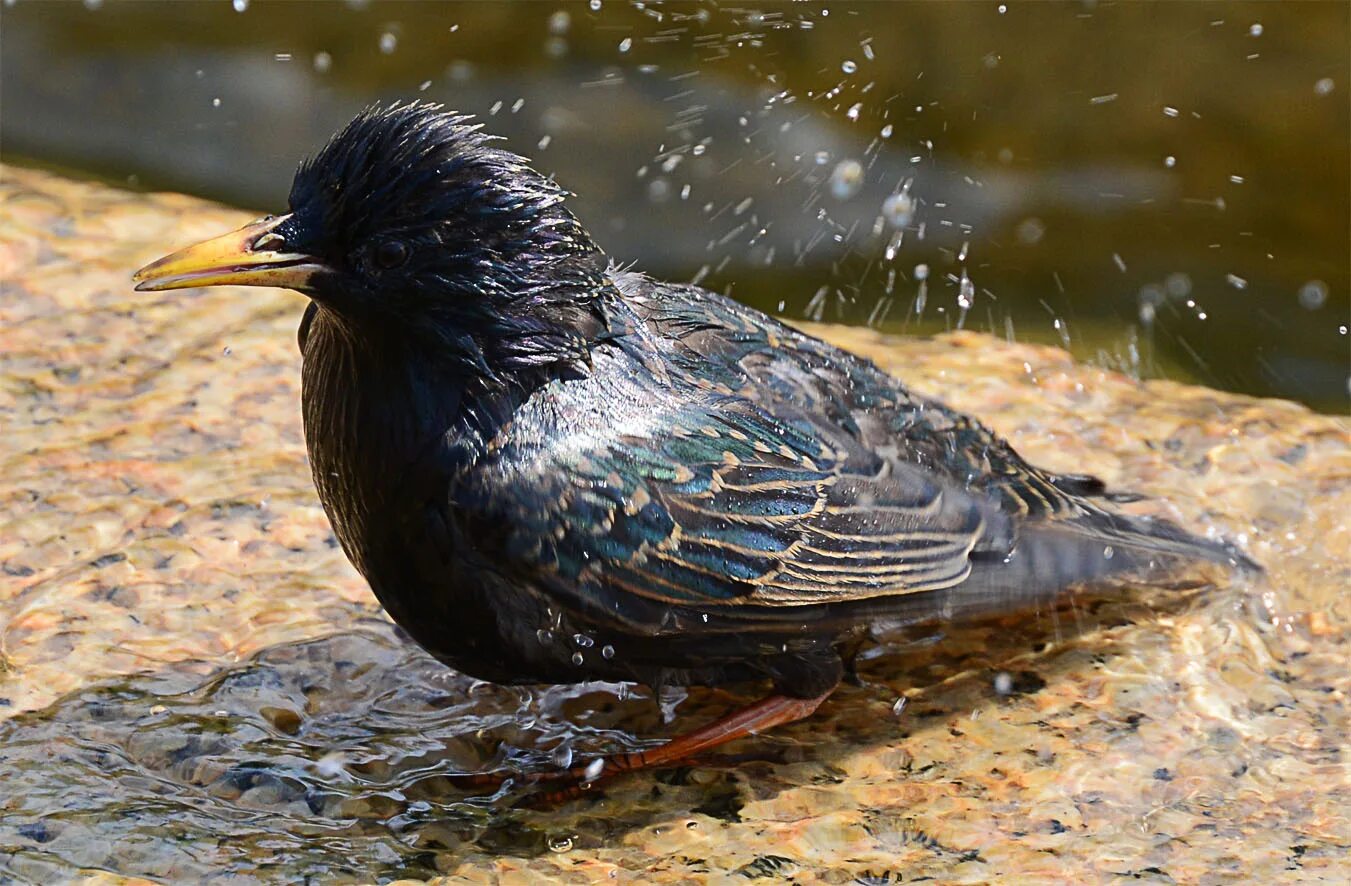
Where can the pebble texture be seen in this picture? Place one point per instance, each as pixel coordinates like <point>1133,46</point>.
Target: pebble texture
<point>194,684</point>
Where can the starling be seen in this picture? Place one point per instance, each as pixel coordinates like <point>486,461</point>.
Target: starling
<point>550,470</point>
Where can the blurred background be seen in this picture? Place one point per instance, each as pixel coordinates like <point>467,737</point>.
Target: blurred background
<point>1163,189</point>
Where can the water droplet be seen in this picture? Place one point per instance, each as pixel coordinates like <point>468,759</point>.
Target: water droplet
<point>239,5</point>
<point>1236,281</point>
<point>854,111</point>
<point>1003,8</point>
<point>595,5</point>
<point>583,641</point>
<point>887,131</point>
<point>1324,86</point>
<point>658,190</point>
<point>1255,30</point>
<point>607,651</point>
<point>543,635</point>
<point>898,705</point>
<point>322,62</point>
<point>966,292</point>
<point>594,769</point>
<point>1030,231</point>
<point>848,66</point>
<point>899,209</point>
<point>1170,161</point>
<point>559,23</point>
<point>389,41</point>
<point>215,103</point>
<point>1178,285</point>
<point>563,844</point>
<point>626,44</point>
<point>562,756</point>
<point>577,659</point>
<point>1108,552</point>
<point>1313,294</point>
<point>1003,683</point>
<point>846,179</point>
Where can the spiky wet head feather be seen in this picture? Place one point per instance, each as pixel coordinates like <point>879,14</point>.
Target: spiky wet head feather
<point>483,245</point>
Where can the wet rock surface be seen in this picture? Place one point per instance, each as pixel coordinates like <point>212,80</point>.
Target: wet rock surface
<point>195,686</point>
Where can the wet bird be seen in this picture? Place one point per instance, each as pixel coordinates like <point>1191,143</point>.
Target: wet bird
<point>551,471</point>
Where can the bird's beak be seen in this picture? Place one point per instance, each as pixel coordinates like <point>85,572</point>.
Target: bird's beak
<point>250,256</point>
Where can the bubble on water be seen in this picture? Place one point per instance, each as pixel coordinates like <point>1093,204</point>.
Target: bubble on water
<point>626,44</point>
<point>607,652</point>
<point>239,5</point>
<point>559,22</point>
<point>899,209</point>
<point>323,62</point>
<point>577,659</point>
<point>1030,231</point>
<point>564,843</point>
<point>1313,295</point>
<point>543,635</point>
<point>854,111</point>
<point>583,641</point>
<point>1003,683</point>
<point>1324,86</point>
<point>389,41</point>
<point>846,179</point>
<point>848,66</point>
<point>1255,30</point>
<point>1178,284</point>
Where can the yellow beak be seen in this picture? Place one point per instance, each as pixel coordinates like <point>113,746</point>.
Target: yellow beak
<point>246,257</point>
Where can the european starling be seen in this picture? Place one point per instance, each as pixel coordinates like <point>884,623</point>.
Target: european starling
<point>551,470</point>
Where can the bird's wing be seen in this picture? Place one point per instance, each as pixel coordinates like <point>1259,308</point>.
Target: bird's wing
<point>708,499</point>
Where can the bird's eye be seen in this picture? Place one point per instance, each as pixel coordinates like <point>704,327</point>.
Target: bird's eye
<point>390,254</point>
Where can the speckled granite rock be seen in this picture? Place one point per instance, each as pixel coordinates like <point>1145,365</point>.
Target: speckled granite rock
<point>159,531</point>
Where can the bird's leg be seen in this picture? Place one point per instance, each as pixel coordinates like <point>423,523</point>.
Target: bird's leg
<point>759,717</point>
<point>765,714</point>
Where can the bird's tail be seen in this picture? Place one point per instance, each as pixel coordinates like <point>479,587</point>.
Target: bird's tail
<point>1098,548</point>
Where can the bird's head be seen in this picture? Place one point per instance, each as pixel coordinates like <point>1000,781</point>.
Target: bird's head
<point>410,219</point>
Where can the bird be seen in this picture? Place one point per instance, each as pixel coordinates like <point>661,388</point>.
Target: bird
<point>551,469</point>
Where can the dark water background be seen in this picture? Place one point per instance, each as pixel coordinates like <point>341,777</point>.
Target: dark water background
<point>1165,189</point>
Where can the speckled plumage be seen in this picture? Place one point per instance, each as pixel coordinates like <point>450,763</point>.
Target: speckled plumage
<point>552,471</point>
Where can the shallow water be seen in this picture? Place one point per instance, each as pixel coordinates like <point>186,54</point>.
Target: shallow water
<point>196,686</point>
